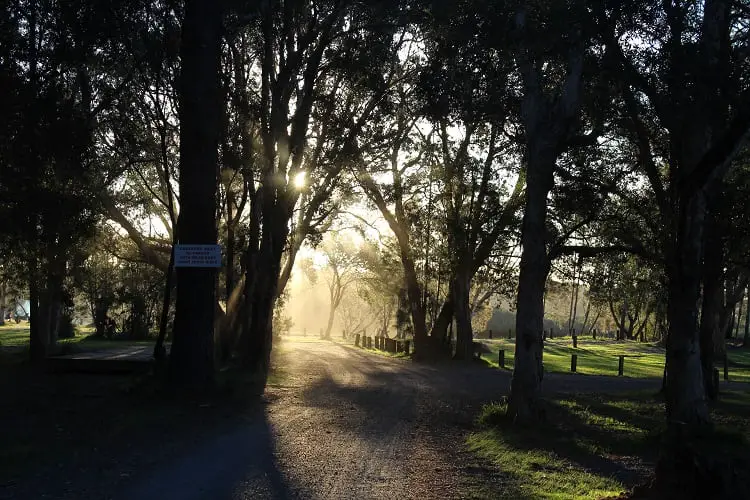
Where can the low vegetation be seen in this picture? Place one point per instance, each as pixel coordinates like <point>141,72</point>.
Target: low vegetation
<point>591,446</point>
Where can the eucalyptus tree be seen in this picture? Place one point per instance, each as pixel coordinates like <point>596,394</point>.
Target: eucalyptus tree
<point>313,59</point>
<point>343,271</point>
<point>191,361</point>
<point>65,66</point>
<point>685,103</point>
<point>465,90</point>
<point>552,89</point>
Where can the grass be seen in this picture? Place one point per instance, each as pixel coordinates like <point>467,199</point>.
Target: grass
<point>591,446</point>
<point>600,357</point>
<point>16,336</point>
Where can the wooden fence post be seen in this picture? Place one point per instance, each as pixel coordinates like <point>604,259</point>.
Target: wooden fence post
<point>621,366</point>
<point>573,362</point>
<point>501,358</point>
<point>356,340</point>
<point>509,332</point>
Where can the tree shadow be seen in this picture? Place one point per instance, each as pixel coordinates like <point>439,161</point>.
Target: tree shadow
<point>603,451</point>
<point>237,463</point>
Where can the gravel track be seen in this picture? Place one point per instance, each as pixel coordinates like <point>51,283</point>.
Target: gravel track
<point>347,424</point>
<point>342,423</point>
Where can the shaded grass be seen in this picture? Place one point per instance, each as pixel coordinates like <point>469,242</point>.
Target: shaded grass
<point>600,357</point>
<point>57,421</point>
<point>590,446</point>
<point>15,338</point>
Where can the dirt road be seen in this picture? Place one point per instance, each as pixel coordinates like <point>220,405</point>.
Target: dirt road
<point>337,423</point>
<point>346,424</point>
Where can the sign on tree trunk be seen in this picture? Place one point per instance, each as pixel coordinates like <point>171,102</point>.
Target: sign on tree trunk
<point>197,256</point>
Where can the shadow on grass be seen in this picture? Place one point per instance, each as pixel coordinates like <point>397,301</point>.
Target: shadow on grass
<point>587,447</point>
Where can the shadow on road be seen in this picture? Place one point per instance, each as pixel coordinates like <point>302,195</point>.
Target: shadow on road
<point>239,463</point>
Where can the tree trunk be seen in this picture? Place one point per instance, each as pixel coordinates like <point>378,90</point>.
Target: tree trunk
<point>746,340</point>
<point>739,316</point>
<point>422,347</point>
<point>710,325</point>
<point>159,349</point>
<point>3,303</point>
<point>685,398</point>
<point>331,314</point>
<point>527,371</point>
<point>464,337</point>
<point>623,334</point>
<point>192,356</point>
<point>265,300</point>
<point>229,283</point>
<point>445,316</point>
<point>39,340</point>
<point>263,270</point>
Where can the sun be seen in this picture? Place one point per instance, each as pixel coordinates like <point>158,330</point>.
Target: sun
<point>299,180</point>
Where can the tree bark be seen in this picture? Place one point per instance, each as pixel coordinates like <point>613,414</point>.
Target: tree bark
<point>535,265</point>
<point>331,314</point>
<point>192,356</point>
<point>464,337</point>
<point>710,325</point>
<point>739,314</point>
<point>268,269</point>
<point>38,341</point>
<point>685,395</point>
<point>746,339</point>
<point>444,317</point>
<point>422,346</point>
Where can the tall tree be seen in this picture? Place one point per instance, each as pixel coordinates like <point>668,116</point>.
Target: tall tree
<point>192,358</point>
<point>550,113</point>
<point>687,115</point>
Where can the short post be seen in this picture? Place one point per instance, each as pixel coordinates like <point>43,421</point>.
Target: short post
<point>356,340</point>
<point>501,358</point>
<point>490,333</point>
<point>621,366</point>
<point>407,346</point>
<point>575,340</point>
<point>509,331</point>
<point>369,342</point>
<point>593,333</point>
<point>573,362</point>
<point>726,367</point>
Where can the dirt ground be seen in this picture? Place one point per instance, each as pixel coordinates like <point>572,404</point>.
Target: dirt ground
<point>337,423</point>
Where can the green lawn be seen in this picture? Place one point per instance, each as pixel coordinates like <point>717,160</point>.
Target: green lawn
<point>16,336</point>
<point>589,443</point>
<point>600,357</point>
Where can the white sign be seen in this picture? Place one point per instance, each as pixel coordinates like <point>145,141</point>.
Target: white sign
<point>197,256</point>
